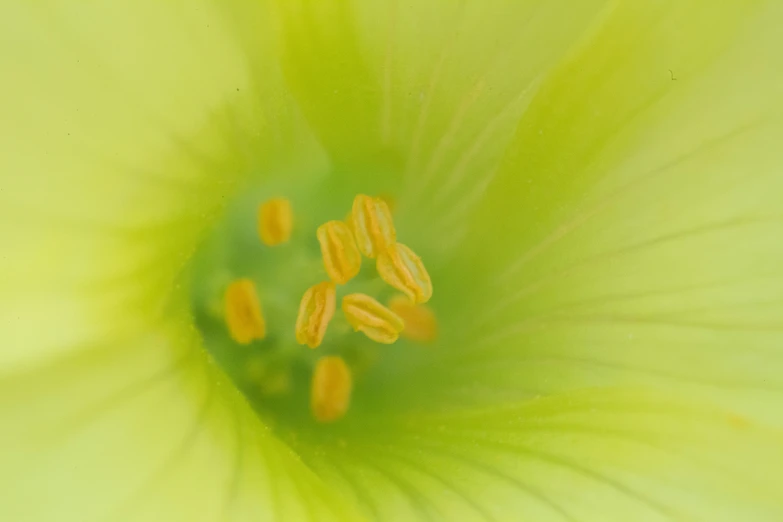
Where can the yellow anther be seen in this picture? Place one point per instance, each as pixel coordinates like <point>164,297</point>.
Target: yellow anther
<point>372,225</point>
<point>420,322</point>
<point>315,311</point>
<point>275,221</point>
<point>402,268</point>
<point>330,394</point>
<point>342,259</point>
<point>367,315</point>
<point>243,312</point>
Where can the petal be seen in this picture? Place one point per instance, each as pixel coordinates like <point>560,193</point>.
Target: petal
<point>326,71</point>
<point>417,96</point>
<point>125,128</point>
<point>146,429</point>
<point>641,217</point>
<point>612,454</point>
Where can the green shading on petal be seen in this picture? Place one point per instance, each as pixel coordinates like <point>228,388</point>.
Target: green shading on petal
<point>640,207</point>
<point>426,94</point>
<point>126,128</point>
<point>327,73</point>
<point>625,239</point>
<point>610,454</point>
<point>147,429</point>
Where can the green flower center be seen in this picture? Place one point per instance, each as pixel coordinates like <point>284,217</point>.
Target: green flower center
<point>305,296</point>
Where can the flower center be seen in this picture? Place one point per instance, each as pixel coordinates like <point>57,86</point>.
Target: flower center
<point>272,319</point>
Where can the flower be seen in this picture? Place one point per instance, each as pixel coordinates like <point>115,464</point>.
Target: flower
<point>594,187</point>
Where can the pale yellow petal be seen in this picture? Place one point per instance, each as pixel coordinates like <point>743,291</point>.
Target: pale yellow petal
<point>126,127</point>
<point>144,429</point>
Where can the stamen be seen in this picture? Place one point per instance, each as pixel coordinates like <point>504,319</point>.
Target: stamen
<point>367,315</point>
<point>420,322</point>
<point>400,267</point>
<point>275,221</point>
<point>372,225</point>
<point>243,314</point>
<point>342,259</point>
<point>330,394</point>
<point>315,311</point>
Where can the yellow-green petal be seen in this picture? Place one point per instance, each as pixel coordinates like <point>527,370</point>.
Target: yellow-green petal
<point>147,429</point>
<point>597,455</point>
<point>641,206</point>
<point>126,128</point>
<point>325,68</point>
<point>627,238</point>
<point>421,98</point>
